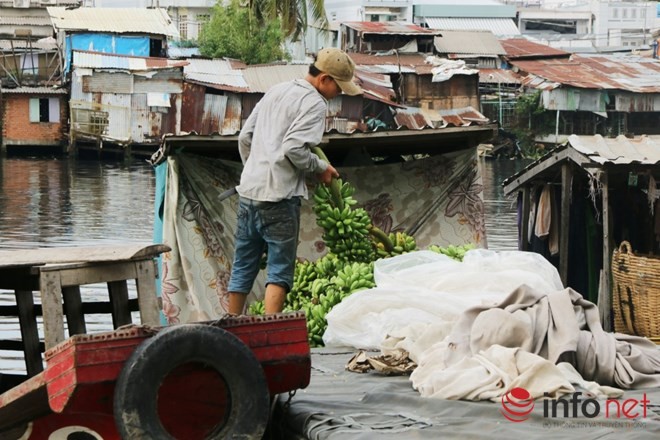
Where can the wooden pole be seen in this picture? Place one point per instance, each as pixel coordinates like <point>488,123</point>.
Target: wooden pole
<point>564,228</point>
<point>524,221</point>
<point>605,306</point>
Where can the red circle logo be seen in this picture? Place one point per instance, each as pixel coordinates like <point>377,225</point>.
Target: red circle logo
<point>517,405</point>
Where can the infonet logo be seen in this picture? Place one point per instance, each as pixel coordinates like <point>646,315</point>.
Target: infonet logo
<point>517,405</point>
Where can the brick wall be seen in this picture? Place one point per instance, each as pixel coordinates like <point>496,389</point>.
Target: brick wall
<point>17,128</point>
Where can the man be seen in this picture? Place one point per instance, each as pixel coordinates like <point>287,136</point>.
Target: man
<point>275,146</point>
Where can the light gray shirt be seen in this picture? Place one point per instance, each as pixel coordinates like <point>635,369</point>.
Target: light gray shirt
<point>275,142</point>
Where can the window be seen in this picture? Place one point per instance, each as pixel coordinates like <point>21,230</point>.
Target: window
<point>615,13</point>
<point>183,27</point>
<point>633,13</point>
<point>625,13</point>
<point>44,110</point>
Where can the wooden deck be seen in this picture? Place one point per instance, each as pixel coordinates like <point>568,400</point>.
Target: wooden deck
<point>57,274</point>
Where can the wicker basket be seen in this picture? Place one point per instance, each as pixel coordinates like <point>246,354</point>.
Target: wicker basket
<point>636,293</point>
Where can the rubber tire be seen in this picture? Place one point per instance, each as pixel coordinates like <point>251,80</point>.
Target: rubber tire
<point>136,390</point>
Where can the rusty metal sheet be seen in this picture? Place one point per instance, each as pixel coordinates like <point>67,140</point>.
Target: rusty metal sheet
<point>192,107</point>
<point>170,119</point>
<point>388,27</point>
<point>232,123</point>
<point>498,76</point>
<point>628,73</point>
<point>519,48</point>
<point>214,114</point>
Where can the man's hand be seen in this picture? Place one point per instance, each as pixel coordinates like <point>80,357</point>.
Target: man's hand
<point>327,175</point>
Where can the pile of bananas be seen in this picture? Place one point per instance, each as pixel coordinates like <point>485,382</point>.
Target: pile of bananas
<point>452,251</point>
<point>346,229</point>
<point>401,243</point>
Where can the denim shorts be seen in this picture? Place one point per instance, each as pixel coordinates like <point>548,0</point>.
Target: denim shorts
<point>265,225</point>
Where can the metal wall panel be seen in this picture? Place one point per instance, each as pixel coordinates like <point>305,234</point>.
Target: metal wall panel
<point>214,113</point>
<point>108,82</point>
<point>118,107</point>
<point>167,81</point>
<point>139,117</point>
<point>232,122</point>
<point>192,107</point>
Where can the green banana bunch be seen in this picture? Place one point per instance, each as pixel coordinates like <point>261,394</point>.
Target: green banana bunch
<point>453,251</point>
<point>353,277</point>
<point>401,244</point>
<point>346,229</point>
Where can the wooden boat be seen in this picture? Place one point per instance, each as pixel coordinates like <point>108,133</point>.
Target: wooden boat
<point>187,381</point>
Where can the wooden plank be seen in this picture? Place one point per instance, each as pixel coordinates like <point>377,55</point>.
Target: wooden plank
<point>29,332</point>
<point>87,308</point>
<point>80,275</point>
<point>118,291</point>
<point>564,223</point>
<point>75,318</point>
<point>524,222</point>
<point>14,345</point>
<point>147,297</point>
<point>51,304</point>
<point>41,256</point>
<point>24,403</point>
<point>605,306</point>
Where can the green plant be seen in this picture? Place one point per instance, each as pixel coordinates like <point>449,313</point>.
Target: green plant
<point>533,121</point>
<point>235,32</point>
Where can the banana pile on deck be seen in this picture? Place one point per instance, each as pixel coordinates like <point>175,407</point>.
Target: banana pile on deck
<point>353,244</point>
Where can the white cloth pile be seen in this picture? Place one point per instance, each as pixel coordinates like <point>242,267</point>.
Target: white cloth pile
<point>496,321</point>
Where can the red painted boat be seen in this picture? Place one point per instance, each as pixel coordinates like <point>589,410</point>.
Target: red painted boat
<point>189,381</point>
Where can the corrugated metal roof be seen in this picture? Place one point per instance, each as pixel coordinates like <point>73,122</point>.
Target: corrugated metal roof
<point>114,20</point>
<point>404,63</point>
<point>498,26</point>
<point>34,91</point>
<point>216,72</point>
<point>43,44</point>
<point>262,78</point>
<point>388,27</point>
<point>26,20</point>
<point>613,72</point>
<point>590,153</point>
<point>468,42</point>
<point>620,150</point>
<point>99,60</point>
<point>523,48</point>
<point>498,76</point>
<point>417,119</point>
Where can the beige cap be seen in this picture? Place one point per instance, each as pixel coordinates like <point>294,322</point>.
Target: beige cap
<point>340,67</point>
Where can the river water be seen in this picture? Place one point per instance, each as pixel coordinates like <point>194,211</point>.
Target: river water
<point>49,202</point>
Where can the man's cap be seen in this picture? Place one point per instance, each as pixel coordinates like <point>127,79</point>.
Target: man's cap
<point>340,67</point>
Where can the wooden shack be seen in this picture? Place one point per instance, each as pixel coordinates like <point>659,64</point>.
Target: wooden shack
<point>580,201</point>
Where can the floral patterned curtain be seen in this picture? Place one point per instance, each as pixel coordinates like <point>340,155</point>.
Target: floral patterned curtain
<point>437,199</point>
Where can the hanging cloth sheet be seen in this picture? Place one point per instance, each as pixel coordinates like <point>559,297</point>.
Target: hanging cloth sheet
<point>438,200</point>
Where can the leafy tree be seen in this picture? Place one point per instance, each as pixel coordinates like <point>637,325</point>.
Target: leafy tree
<point>532,121</point>
<point>292,13</point>
<point>235,32</point>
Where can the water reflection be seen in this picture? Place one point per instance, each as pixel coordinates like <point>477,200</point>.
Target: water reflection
<point>55,202</point>
<point>500,211</point>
